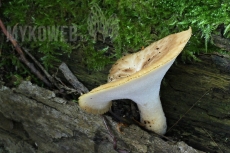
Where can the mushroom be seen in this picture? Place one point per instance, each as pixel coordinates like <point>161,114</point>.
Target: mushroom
<point>138,77</point>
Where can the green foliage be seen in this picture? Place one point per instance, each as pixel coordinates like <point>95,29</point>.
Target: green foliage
<point>18,79</point>
<point>23,15</point>
<point>142,22</point>
<point>98,58</point>
<point>126,25</point>
<point>16,70</point>
<point>98,23</point>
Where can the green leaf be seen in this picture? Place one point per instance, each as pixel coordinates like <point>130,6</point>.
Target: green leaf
<point>226,29</point>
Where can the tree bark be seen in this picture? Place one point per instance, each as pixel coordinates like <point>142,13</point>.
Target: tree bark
<point>221,42</point>
<point>34,120</point>
<point>207,85</point>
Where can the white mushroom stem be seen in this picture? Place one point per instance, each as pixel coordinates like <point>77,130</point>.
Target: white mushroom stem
<point>153,117</point>
<point>148,101</point>
<point>144,91</point>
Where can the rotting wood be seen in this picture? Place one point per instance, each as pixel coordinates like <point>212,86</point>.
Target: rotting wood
<point>37,121</point>
<point>206,126</point>
<point>221,42</point>
<point>182,86</point>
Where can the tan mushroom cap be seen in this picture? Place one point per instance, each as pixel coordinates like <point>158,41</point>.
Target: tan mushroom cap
<point>154,56</point>
<point>135,66</point>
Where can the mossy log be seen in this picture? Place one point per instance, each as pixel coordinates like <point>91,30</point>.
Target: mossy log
<point>197,94</point>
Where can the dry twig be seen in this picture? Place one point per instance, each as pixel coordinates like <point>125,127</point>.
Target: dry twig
<point>22,55</point>
<point>113,137</point>
<point>40,66</point>
<point>72,79</point>
<point>213,140</point>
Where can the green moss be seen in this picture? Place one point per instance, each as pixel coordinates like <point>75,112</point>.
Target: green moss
<point>97,22</point>
<point>98,58</point>
<point>125,25</point>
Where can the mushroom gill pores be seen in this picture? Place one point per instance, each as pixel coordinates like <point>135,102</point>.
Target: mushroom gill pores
<point>138,77</point>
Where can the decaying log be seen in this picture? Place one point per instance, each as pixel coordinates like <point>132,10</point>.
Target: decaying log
<point>221,42</point>
<point>206,126</point>
<point>34,120</point>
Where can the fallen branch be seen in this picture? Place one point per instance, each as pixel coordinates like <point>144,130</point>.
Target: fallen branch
<point>22,55</point>
<point>57,81</point>
<point>72,79</point>
<point>40,66</point>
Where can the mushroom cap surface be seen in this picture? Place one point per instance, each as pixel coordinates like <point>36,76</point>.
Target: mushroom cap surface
<point>131,68</point>
<point>154,56</point>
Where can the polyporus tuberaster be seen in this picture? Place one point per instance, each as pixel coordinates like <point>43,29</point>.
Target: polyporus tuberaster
<point>138,77</point>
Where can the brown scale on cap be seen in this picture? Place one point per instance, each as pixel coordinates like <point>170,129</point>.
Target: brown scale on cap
<point>132,63</point>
